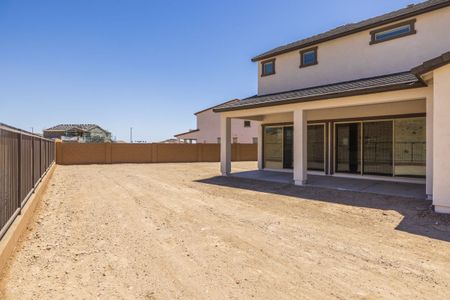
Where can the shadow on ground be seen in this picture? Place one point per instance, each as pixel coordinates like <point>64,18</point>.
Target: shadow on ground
<point>419,217</point>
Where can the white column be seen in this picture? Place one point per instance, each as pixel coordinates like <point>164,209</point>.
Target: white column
<point>429,148</point>
<point>441,140</point>
<point>260,147</point>
<point>225,145</point>
<point>300,147</point>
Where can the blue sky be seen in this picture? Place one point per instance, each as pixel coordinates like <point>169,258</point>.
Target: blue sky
<point>146,64</point>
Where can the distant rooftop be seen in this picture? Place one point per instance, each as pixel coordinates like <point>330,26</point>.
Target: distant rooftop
<point>66,127</point>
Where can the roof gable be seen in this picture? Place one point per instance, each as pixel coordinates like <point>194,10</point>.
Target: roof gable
<point>432,64</point>
<point>341,31</point>
<point>67,127</point>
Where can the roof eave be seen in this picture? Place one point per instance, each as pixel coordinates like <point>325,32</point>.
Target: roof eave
<point>356,30</point>
<point>212,107</point>
<point>398,87</point>
<point>432,64</point>
<point>187,132</point>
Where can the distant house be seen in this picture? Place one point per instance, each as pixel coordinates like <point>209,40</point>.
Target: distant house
<point>208,128</point>
<point>170,141</point>
<point>78,133</point>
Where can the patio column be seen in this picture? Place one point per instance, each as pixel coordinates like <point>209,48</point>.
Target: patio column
<point>300,147</point>
<point>429,147</point>
<point>225,145</point>
<point>441,140</point>
<point>260,147</point>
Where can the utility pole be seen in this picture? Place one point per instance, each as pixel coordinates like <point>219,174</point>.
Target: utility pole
<point>131,134</point>
<point>32,129</point>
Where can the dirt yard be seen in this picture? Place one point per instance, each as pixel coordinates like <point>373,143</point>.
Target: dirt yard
<point>175,231</point>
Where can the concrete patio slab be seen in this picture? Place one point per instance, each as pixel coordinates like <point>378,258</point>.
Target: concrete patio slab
<point>410,190</point>
<point>272,176</point>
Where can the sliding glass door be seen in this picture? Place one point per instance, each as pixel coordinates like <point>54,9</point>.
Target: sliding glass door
<point>278,147</point>
<point>393,147</point>
<point>377,148</point>
<point>386,147</point>
<point>409,147</point>
<point>316,147</point>
<point>288,147</point>
<point>348,148</point>
<point>273,147</point>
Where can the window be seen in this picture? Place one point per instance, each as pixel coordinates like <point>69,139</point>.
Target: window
<point>410,147</point>
<point>255,140</point>
<point>273,147</point>
<point>308,57</point>
<point>247,124</point>
<point>268,67</point>
<point>393,32</point>
<point>316,147</point>
<point>235,140</point>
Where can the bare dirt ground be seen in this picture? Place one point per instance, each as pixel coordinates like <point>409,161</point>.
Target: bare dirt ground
<point>175,231</point>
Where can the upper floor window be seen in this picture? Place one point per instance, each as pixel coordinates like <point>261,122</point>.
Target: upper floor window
<point>247,124</point>
<point>308,57</point>
<point>268,67</point>
<point>393,32</point>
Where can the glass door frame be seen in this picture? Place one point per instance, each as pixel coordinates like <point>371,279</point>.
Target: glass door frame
<point>330,142</point>
<point>334,147</point>
<point>362,121</point>
<point>282,126</point>
<point>325,147</point>
<point>392,145</point>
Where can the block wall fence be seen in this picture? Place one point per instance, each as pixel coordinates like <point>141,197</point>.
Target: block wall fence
<point>111,153</point>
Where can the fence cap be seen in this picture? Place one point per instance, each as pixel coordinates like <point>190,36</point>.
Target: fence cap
<point>9,128</point>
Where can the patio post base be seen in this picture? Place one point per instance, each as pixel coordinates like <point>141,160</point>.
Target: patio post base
<point>442,209</point>
<point>300,182</point>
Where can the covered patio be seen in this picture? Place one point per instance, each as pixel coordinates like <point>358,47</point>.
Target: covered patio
<point>372,135</point>
<point>381,187</point>
<point>391,128</point>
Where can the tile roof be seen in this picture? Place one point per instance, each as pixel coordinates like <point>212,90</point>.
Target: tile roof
<point>432,64</point>
<point>409,11</point>
<point>218,105</point>
<point>65,127</point>
<point>187,132</point>
<point>377,84</point>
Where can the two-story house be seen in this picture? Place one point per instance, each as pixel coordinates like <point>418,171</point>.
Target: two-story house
<point>208,128</point>
<point>364,100</point>
<point>79,133</point>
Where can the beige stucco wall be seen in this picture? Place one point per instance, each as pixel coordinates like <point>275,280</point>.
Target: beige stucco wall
<point>208,124</point>
<point>373,110</point>
<point>351,101</point>
<point>352,57</point>
<point>441,140</point>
